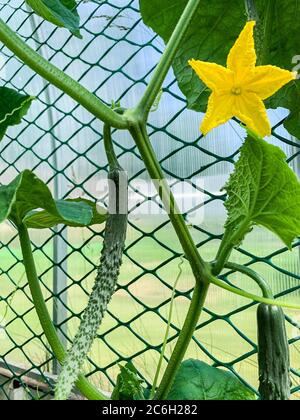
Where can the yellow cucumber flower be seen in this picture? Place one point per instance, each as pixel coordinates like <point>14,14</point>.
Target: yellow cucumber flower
<point>239,90</point>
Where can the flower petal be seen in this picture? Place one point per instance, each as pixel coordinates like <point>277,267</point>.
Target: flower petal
<point>250,109</point>
<point>216,77</point>
<point>242,56</point>
<point>219,111</point>
<point>266,80</point>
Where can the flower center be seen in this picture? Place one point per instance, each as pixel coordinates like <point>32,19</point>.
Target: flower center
<point>236,90</point>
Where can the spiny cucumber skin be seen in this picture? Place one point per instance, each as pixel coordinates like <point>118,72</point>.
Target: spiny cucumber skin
<point>273,354</point>
<point>103,290</point>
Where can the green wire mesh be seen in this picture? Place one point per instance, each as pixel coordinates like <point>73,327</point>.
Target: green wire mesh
<point>63,144</point>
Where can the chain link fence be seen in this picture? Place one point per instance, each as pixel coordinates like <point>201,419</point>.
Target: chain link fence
<point>63,145</point>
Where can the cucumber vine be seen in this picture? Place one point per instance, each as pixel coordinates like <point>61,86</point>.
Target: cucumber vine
<point>246,206</point>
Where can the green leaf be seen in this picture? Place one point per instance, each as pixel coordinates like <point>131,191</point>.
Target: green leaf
<point>289,97</point>
<point>13,107</point>
<point>211,35</point>
<point>263,190</point>
<point>129,385</point>
<point>62,13</point>
<point>75,207</point>
<point>196,380</point>
<point>27,192</point>
<point>285,45</point>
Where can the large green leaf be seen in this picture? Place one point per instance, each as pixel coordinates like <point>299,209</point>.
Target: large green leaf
<point>27,192</point>
<point>285,45</point>
<point>13,107</point>
<point>43,219</point>
<point>196,380</point>
<point>213,32</point>
<point>263,190</point>
<point>62,13</point>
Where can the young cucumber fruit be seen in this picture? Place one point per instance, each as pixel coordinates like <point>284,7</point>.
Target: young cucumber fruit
<point>273,354</point>
<point>104,287</point>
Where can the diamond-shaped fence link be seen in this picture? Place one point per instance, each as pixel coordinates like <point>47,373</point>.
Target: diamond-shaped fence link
<point>63,145</point>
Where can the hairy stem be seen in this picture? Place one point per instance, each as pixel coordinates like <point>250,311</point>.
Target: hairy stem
<point>229,241</point>
<point>167,58</point>
<point>108,144</point>
<point>200,268</point>
<point>267,32</point>
<point>87,389</point>
<point>263,31</point>
<point>251,10</point>
<point>58,78</point>
<point>260,281</point>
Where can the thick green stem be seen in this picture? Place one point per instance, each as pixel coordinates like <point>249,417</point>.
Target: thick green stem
<point>222,257</point>
<point>267,33</point>
<point>184,339</point>
<point>199,267</point>
<point>261,282</point>
<point>59,79</point>
<point>229,241</point>
<point>87,389</point>
<point>251,10</point>
<point>166,61</point>
<point>263,31</point>
<point>108,143</point>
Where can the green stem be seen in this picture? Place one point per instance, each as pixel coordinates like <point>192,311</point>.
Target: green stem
<point>200,268</point>
<point>184,339</point>
<point>263,32</point>
<point>167,58</point>
<point>58,78</point>
<point>223,255</point>
<point>87,389</point>
<point>108,144</point>
<point>261,282</point>
<point>251,296</point>
<point>229,241</point>
<point>267,33</point>
<point>251,10</point>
